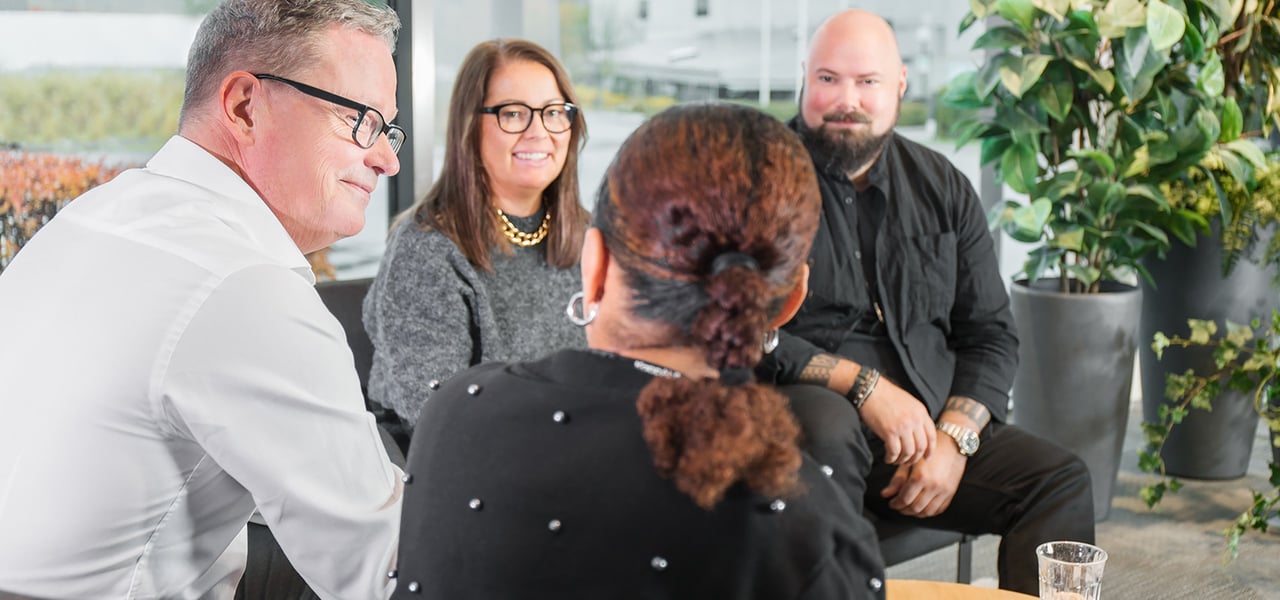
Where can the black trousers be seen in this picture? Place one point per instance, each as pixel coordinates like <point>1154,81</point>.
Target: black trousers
<point>1023,488</point>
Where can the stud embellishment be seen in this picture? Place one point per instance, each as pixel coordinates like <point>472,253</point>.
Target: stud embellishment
<point>658,563</point>
<point>434,384</point>
<point>391,574</point>
<point>476,504</point>
<point>474,389</point>
<point>554,525</point>
<point>407,479</point>
<point>828,471</point>
<point>875,584</point>
<point>414,587</point>
<point>778,505</point>
<point>560,416</point>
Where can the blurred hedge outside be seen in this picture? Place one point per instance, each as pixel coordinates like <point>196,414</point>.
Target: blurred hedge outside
<point>72,111</point>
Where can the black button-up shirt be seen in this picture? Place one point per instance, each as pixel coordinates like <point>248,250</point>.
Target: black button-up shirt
<point>947,326</point>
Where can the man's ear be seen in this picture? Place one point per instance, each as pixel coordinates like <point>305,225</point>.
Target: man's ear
<point>795,298</point>
<point>240,99</point>
<point>902,83</point>
<point>594,265</point>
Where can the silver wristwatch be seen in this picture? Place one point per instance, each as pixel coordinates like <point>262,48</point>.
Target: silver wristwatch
<point>966,439</point>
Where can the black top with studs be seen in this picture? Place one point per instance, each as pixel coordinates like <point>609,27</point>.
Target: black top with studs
<point>532,480</point>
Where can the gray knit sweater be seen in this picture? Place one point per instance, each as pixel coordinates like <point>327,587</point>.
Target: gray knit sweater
<point>430,314</point>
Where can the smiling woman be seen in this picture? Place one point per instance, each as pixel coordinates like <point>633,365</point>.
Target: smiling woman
<point>481,268</point>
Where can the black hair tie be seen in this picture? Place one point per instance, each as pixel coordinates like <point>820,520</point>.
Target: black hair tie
<point>729,260</point>
<point>735,377</point>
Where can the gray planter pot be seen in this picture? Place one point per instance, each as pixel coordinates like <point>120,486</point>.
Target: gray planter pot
<point>1075,372</point>
<point>1206,445</point>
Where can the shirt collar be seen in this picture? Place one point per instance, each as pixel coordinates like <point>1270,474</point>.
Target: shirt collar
<point>184,160</point>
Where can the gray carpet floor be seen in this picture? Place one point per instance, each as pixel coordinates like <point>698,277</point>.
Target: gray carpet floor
<point>1176,551</point>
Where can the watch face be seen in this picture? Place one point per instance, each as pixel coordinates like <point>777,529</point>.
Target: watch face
<point>966,439</point>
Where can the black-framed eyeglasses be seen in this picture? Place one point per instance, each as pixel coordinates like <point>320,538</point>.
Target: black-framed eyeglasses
<point>369,122</point>
<point>516,117</point>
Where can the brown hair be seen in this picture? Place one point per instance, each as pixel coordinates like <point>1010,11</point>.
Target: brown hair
<point>459,205</point>
<point>710,210</point>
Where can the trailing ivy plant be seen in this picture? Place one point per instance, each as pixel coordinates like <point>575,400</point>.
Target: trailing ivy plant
<point>1246,359</point>
<point>1091,106</point>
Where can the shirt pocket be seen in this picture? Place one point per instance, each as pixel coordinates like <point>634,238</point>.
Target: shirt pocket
<point>931,277</point>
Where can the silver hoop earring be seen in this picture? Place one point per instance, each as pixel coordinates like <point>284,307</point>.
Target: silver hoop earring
<point>770,340</point>
<point>581,318</point>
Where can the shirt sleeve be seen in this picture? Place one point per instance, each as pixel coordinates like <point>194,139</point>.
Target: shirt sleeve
<point>784,365</point>
<point>261,378</point>
<point>982,329</point>
<point>420,317</point>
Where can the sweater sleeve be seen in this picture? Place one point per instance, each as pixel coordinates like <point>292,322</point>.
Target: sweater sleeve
<point>421,316</point>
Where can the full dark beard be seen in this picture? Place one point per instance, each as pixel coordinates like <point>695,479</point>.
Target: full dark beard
<point>845,151</point>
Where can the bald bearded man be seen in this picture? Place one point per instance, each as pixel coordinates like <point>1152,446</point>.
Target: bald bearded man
<point>908,317</point>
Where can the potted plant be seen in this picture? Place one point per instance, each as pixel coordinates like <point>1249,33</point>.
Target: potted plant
<point>1089,107</point>
<point>1246,361</point>
<point>1202,275</point>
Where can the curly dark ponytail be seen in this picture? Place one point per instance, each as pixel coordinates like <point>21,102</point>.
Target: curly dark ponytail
<point>710,209</point>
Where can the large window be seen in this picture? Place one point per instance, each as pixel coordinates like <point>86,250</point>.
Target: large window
<point>106,85</point>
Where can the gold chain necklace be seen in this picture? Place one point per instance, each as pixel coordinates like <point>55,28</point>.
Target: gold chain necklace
<point>520,238</point>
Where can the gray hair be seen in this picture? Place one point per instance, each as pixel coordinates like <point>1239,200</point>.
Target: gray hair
<point>273,36</point>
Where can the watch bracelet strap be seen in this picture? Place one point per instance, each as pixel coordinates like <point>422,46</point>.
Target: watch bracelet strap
<point>863,385</point>
<point>955,431</point>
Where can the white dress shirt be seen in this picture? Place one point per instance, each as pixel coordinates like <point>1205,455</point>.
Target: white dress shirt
<point>166,366</point>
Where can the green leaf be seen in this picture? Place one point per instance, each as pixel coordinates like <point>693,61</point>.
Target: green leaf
<point>1249,151</point>
<point>1056,8</point>
<point>988,75</point>
<point>1018,168</point>
<point>1020,76</point>
<point>962,93</point>
<point>1211,79</point>
<point>1232,120</point>
<point>1159,342</point>
<point>1015,121</point>
<point>993,148</point>
<point>1137,64</point>
<point>1020,12</point>
<point>1238,334</point>
<point>1165,25</point>
<point>1194,44</point>
<point>967,129</point>
<point>1119,16</point>
<point>1102,76</point>
<point>1106,166</point>
<point>980,8</point>
<point>1001,38</point>
<point>1030,219</point>
<point>1151,230</point>
<point>1201,330</point>
<point>1140,163</point>
<point>1070,238</point>
<point>1056,98</point>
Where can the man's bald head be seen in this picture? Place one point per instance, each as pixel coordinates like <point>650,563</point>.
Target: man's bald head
<point>853,85</point>
<point>858,30</point>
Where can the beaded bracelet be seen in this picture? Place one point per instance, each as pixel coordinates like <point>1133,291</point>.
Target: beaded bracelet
<point>863,385</point>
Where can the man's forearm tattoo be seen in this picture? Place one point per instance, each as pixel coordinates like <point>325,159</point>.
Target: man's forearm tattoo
<point>970,408</point>
<point>819,369</point>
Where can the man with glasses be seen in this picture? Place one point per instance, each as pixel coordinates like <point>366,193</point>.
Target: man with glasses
<point>177,369</point>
